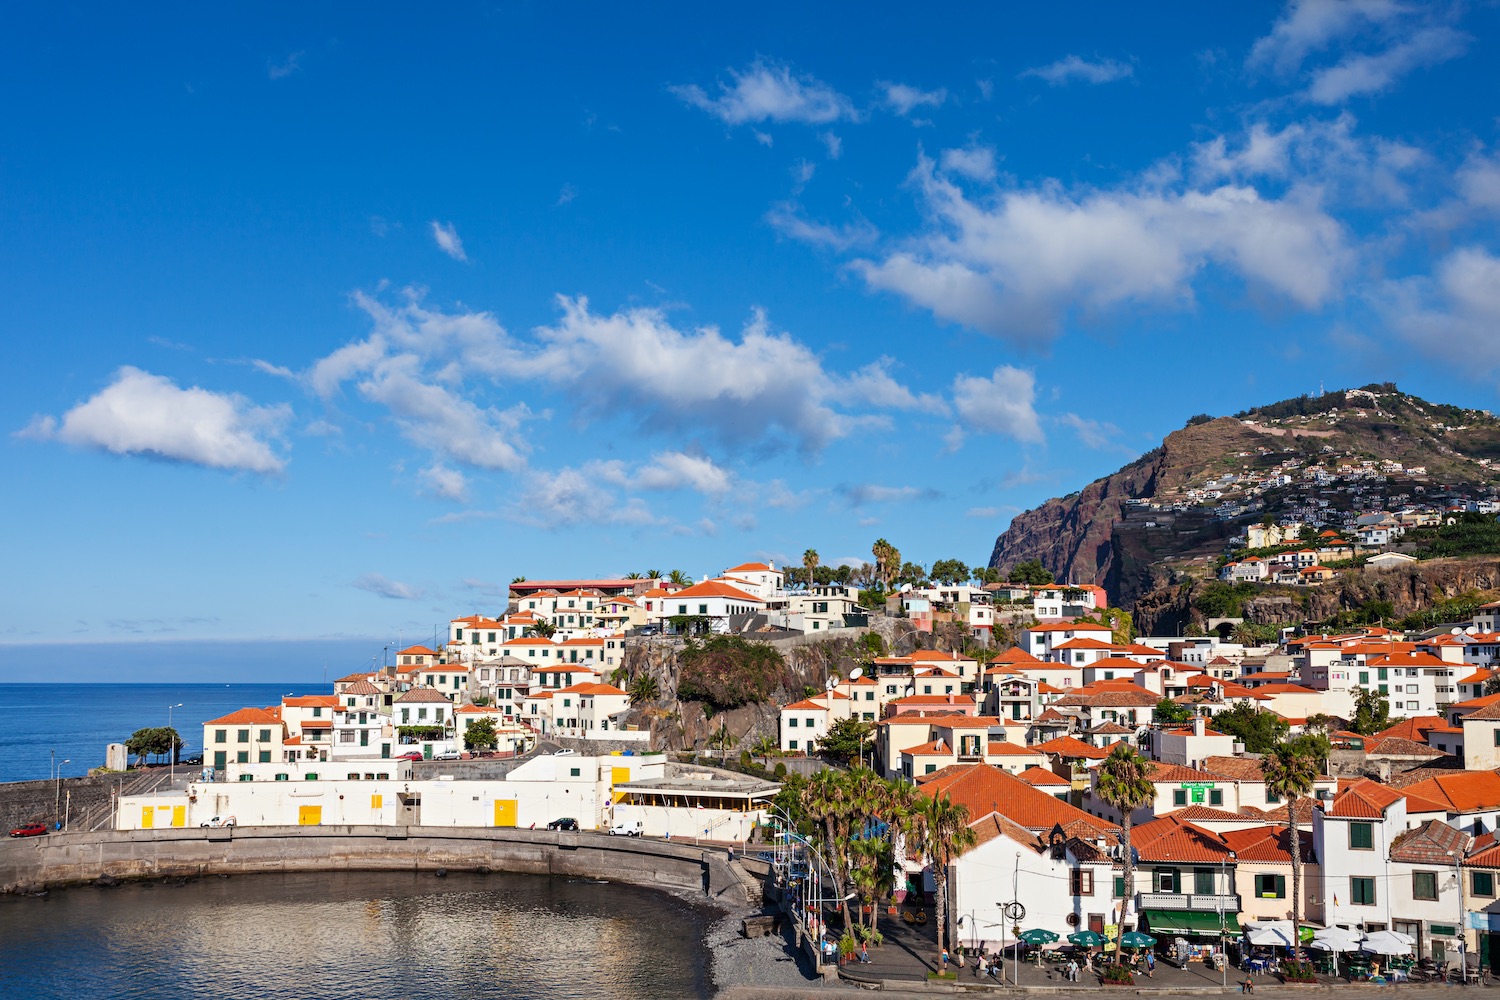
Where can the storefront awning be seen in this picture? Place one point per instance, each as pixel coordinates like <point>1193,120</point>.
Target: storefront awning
<point>1189,922</point>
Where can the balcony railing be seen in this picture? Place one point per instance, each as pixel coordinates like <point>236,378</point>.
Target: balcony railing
<point>1202,902</point>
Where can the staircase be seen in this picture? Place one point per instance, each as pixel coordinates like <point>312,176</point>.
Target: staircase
<point>755,889</point>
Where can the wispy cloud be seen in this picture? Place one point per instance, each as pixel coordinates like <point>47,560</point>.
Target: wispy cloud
<point>1076,69</point>
<point>769,91</point>
<point>864,494</point>
<point>904,99</point>
<point>444,482</point>
<point>286,67</point>
<point>1358,75</point>
<point>149,415</point>
<point>382,586</point>
<point>446,237</point>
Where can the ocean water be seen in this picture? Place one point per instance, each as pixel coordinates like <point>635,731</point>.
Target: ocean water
<point>355,936</point>
<point>79,720</point>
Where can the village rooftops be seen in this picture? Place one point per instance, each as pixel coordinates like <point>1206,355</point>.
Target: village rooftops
<point>1432,843</point>
<point>421,694</point>
<point>248,716</point>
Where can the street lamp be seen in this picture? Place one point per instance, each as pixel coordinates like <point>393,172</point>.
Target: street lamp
<point>172,735</point>
<point>1463,935</point>
<point>57,789</point>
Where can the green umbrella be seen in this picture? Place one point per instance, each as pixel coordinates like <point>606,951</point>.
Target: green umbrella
<point>1086,939</point>
<point>1135,939</point>
<point>1038,936</point>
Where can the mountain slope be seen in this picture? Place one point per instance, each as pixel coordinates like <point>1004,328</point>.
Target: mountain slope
<point>1314,459</point>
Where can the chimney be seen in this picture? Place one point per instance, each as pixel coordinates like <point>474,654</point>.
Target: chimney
<point>1198,725</point>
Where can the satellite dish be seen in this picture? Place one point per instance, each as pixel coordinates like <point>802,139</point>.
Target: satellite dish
<point>911,689</point>
<point>1472,630</point>
<point>831,682</point>
<point>856,673</point>
<point>1455,631</point>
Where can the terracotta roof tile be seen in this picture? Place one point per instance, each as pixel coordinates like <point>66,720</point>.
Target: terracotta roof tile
<point>984,789</point>
<point>1432,843</point>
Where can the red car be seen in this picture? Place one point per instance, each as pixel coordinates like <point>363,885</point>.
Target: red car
<point>409,756</point>
<point>30,830</point>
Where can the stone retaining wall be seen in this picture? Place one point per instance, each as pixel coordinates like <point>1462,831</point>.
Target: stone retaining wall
<point>23,802</point>
<point>74,858</point>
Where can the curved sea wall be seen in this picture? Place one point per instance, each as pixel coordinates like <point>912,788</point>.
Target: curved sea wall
<point>28,865</point>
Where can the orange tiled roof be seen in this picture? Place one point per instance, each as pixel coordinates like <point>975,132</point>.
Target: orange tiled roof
<point>247,716</point>
<point>1363,799</point>
<point>1043,778</point>
<point>984,789</point>
<point>1469,791</point>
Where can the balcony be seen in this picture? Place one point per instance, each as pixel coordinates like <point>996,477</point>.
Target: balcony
<point>1202,902</point>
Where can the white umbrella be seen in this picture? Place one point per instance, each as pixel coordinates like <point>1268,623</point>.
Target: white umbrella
<point>1337,939</point>
<point>1387,943</point>
<point>1274,933</point>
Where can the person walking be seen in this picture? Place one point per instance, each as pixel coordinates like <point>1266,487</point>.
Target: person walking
<point>1150,965</point>
<point>864,952</point>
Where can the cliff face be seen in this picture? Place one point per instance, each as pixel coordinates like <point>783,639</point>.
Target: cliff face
<point>1411,449</point>
<point>1081,538</point>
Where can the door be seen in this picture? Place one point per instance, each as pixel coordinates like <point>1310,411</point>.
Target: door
<point>1096,923</point>
<point>617,777</point>
<point>148,817</point>
<point>505,812</point>
<point>220,759</point>
<point>179,815</point>
<point>309,815</point>
<point>411,809</point>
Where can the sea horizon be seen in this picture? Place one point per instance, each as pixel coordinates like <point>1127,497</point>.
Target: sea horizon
<point>192,661</point>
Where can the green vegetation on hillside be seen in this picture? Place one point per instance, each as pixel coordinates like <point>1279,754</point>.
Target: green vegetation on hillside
<point>1472,535</point>
<point>726,671</point>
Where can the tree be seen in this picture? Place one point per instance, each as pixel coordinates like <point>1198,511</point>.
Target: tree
<point>633,575</point>
<point>653,574</point>
<point>764,748</point>
<point>810,563</point>
<point>722,740</point>
<point>1290,772</point>
<point>950,571</point>
<point>1492,683</point>
<point>846,740</point>
<point>1030,572</point>
<point>1372,712</point>
<point>680,578</point>
<point>1124,782</point>
<point>481,735</point>
<point>912,573</point>
<point>1259,730</point>
<point>887,562</point>
<point>1169,713</point>
<point>644,688</point>
<point>943,834</point>
<point>155,741</point>
<point>727,671</point>
<point>541,629</point>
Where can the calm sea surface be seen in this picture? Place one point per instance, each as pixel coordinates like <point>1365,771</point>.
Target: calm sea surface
<point>78,720</point>
<point>361,936</point>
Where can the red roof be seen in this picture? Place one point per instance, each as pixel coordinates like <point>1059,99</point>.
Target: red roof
<point>417,651</point>
<point>986,789</point>
<point>1068,747</point>
<point>1363,799</point>
<point>247,716</point>
<point>1268,843</point>
<point>1043,778</point>
<point>712,588</point>
<point>1168,838</point>
<point>1470,791</point>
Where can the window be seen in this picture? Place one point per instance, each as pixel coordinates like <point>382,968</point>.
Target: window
<point>1497,737</point>
<point>1272,798</point>
<point>930,768</point>
<point>792,722</point>
<point>265,756</point>
<point>791,744</point>
<point>703,609</point>
<point>1424,885</point>
<point>243,757</point>
<point>1361,891</point>
<point>265,736</point>
<point>1270,886</point>
<point>220,734</point>
<point>282,777</point>
<point>1082,882</point>
<point>1364,678</point>
<point>1179,796</point>
<point>310,776</point>
<point>573,772</point>
<point>1482,883</point>
<point>247,777</point>
<point>1215,797</point>
<point>1119,886</point>
<point>1383,675</point>
<point>1361,836</point>
<point>243,736</point>
<point>1166,879</point>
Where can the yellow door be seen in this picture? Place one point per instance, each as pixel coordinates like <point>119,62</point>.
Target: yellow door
<point>179,815</point>
<point>617,777</point>
<point>505,812</point>
<point>376,800</point>
<point>309,815</point>
<point>148,817</point>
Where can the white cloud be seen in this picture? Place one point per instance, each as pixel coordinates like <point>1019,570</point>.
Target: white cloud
<point>982,512</point>
<point>1478,182</point>
<point>566,195</point>
<point>383,587</point>
<point>864,494</point>
<point>144,414</point>
<point>802,173</point>
<point>446,237</point>
<point>1359,74</point>
<point>435,417</point>
<point>833,144</point>
<point>1016,262</point>
<point>281,70</point>
<point>904,99</point>
<point>787,219</point>
<point>1093,433</point>
<point>441,481</point>
<point>874,385</point>
<point>1075,68</point>
<point>974,162</point>
<point>571,497</point>
<point>675,470</point>
<point>770,91</point>
<point>1308,26</point>
<point>1455,313</point>
<point>1002,404</point>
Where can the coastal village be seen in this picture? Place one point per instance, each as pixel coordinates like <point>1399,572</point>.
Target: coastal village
<point>1359,765</point>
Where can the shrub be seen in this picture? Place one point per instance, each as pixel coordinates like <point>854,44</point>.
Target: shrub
<point>1298,972</point>
<point>726,672</point>
<point>1118,975</point>
<point>780,771</point>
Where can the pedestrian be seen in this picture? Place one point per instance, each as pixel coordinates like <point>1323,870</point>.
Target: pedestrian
<point>1150,965</point>
<point>979,966</point>
<point>945,961</point>
<point>864,952</point>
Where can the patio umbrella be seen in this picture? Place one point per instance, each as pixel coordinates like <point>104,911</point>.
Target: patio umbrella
<point>1136,939</point>
<point>1272,933</point>
<point>1337,939</point>
<point>1038,936</point>
<point>1086,939</point>
<point>1387,943</point>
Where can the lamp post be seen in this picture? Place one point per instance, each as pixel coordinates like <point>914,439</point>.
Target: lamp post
<point>57,789</point>
<point>172,753</point>
<point>1463,937</point>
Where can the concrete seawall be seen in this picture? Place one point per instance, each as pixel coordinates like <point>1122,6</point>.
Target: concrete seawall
<point>75,858</point>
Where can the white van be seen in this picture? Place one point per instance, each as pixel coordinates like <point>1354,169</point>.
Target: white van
<point>627,828</point>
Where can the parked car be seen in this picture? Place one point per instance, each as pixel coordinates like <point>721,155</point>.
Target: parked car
<point>648,630</point>
<point>627,828</point>
<point>566,823</point>
<point>564,753</point>
<point>412,755</point>
<point>29,830</point>
<point>448,755</point>
<point>218,821</point>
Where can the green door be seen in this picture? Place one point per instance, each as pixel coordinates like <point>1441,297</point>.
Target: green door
<point>220,757</point>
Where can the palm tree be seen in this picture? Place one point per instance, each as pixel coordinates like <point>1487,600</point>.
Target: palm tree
<point>945,836</point>
<point>827,799</point>
<point>1290,772</point>
<point>541,630</point>
<point>632,575</point>
<point>887,561</point>
<point>680,578</point>
<point>764,748</point>
<point>810,563</point>
<point>653,574</point>
<point>1125,783</point>
<point>644,688</point>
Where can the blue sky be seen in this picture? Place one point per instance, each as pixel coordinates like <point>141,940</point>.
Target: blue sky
<point>325,323</point>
